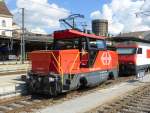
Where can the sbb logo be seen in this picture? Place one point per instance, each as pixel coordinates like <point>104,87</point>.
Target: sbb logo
<point>106,58</point>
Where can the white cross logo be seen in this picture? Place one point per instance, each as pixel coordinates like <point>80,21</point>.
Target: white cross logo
<point>106,58</point>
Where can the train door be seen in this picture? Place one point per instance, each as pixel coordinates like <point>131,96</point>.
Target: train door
<point>89,49</point>
<point>84,55</point>
<point>95,45</point>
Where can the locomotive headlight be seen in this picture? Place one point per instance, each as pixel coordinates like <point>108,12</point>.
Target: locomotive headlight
<point>39,79</point>
<point>51,79</point>
<point>27,76</point>
<point>130,63</point>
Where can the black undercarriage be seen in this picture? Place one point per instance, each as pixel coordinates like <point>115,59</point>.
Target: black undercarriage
<point>132,69</point>
<point>55,84</point>
<point>50,85</point>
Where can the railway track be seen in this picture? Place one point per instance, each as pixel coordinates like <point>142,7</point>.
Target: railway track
<point>31,103</point>
<point>137,101</point>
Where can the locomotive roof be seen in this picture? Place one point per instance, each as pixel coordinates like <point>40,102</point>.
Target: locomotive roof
<point>124,39</point>
<point>69,33</point>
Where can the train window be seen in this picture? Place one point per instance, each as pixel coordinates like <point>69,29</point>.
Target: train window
<point>66,44</point>
<point>83,44</point>
<point>126,50</point>
<point>100,44</point>
<point>97,44</point>
<point>139,51</point>
<point>112,48</point>
<point>3,23</point>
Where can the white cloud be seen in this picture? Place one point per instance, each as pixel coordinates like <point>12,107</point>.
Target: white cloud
<point>96,14</point>
<point>39,14</point>
<point>121,15</point>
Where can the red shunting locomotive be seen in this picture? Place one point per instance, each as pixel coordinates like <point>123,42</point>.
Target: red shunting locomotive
<point>77,59</point>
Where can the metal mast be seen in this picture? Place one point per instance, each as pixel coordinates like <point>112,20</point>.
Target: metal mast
<point>22,39</point>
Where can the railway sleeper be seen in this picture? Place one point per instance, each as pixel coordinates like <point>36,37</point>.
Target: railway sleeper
<point>137,109</point>
<point>145,97</point>
<point>103,111</point>
<point>129,111</point>
<point>99,111</point>
<point>141,101</point>
<point>144,104</point>
<point>13,105</point>
<point>24,103</point>
<point>6,108</point>
<point>137,104</point>
<point>117,105</point>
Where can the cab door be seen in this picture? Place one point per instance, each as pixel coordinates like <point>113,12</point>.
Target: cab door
<point>84,53</point>
<point>96,48</point>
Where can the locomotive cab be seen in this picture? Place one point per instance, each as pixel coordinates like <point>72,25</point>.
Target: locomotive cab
<point>77,59</point>
<point>87,47</point>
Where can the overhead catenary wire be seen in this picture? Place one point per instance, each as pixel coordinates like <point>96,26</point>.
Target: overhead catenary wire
<point>141,11</point>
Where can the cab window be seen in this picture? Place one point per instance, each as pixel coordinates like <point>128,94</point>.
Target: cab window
<point>126,51</point>
<point>64,44</point>
<point>139,51</point>
<point>97,44</point>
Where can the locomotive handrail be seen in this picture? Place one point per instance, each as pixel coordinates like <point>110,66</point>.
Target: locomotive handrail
<point>74,62</point>
<point>58,66</point>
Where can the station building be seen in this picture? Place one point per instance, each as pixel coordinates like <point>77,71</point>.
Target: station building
<point>10,37</point>
<point>138,34</point>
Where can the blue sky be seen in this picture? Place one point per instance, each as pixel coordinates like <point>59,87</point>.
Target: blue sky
<point>84,7</point>
<point>119,13</point>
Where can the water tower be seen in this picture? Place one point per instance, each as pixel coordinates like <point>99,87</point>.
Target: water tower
<point>100,27</point>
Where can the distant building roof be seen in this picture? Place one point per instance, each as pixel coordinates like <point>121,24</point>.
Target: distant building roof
<point>127,39</point>
<point>38,37</point>
<point>31,38</point>
<point>138,34</point>
<point>4,11</point>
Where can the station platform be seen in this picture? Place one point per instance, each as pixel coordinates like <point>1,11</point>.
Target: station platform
<point>90,101</point>
<point>13,62</point>
<point>8,68</point>
<point>11,86</point>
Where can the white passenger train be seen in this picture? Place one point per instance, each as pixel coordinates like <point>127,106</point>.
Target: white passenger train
<point>134,55</point>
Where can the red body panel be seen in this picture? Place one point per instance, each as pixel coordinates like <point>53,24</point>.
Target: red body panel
<point>129,58</point>
<point>127,46</point>
<point>148,53</point>
<point>114,60</point>
<point>68,62</point>
<point>125,59</point>
<point>40,65</point>
<point>71,61</point>
<point>44,62</point>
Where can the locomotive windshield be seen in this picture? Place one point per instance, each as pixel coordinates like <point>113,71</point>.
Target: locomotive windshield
<point>74,43</point>
<point>66,44</point>
<point>97,44</point>
<point>126,50</point>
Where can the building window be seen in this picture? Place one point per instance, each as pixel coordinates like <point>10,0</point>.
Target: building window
<point>3,23</point>
<point>3,33</point>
